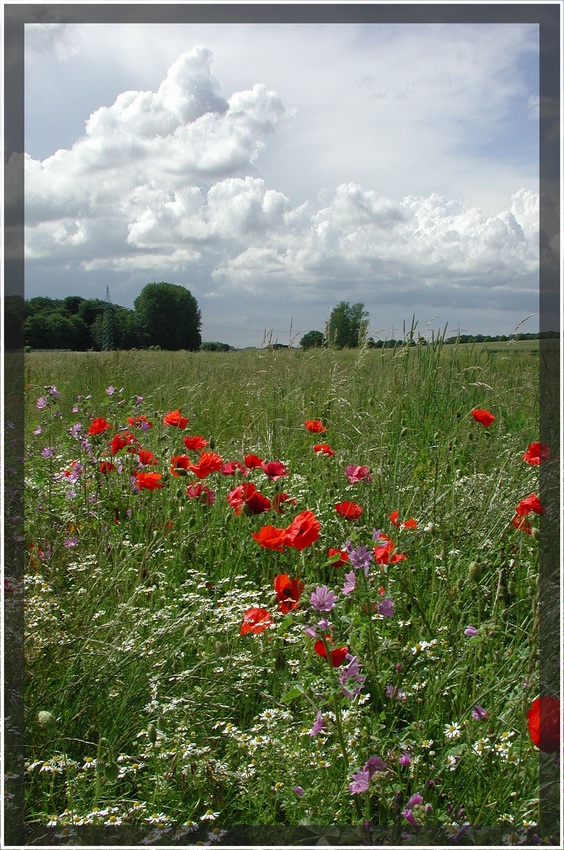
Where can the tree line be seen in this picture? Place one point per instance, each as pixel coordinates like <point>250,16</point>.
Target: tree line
<point>167,316</point>
<point>347,327</point>
<point>164,315</point>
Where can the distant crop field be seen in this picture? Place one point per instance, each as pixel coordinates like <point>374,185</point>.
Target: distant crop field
<point>283,589</point>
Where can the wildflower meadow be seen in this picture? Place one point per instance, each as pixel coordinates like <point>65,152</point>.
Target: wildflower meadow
<point>294,593</point>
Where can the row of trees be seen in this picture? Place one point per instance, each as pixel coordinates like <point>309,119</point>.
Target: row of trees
<point>165,315</point>
<point>347,327</point>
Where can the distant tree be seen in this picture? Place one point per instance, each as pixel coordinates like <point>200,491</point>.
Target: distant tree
<point>90,308</point>
<point>312,339</point>
<point>168,316</point>
<point>125,326</point>
<point>347,325</point>
<point>216,346</point>
<point>52,330</point>
<point>72,303</point>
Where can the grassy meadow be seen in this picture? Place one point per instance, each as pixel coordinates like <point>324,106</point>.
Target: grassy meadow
<point>198,660</point>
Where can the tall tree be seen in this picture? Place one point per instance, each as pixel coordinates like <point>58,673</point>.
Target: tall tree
<point>168,316</point>
<point>347,325</point>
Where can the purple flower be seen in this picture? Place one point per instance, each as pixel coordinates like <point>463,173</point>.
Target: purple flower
<point>322,599</point>
<point>299,790</point>
<point>38,430</point>
<point>138,399</point>
<point>47,452</point>
<point>75,430</point>
<point>351,674</point>
<point>350,583</point>
<point>404,759</point>
<point>360,782</point>
<point>54,392</point>
<point>317,726</point>
<point>41,403</point>
<point>386,607</point>
<point>471,631</point>
<point>410,817</point>
<point>361,558</point>
<point>374,764</point>
<point>376,534</point>
<point>479,713</point>
<point>415,800</point>
<point>110,390</point>
<point>70,542</point>
<point>392,692</point>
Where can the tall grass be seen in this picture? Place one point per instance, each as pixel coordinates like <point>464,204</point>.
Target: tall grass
<point>148,709</point>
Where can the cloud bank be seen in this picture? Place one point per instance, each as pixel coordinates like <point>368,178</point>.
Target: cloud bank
<point>167,184</point>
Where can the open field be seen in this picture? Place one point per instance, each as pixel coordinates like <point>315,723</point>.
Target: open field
<point>161,705</point>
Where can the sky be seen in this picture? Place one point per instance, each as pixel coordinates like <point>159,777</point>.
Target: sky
<point>275,170</point>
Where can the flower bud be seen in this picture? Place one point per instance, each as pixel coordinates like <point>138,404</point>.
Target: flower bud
<point>211,442</point>
<point>152,733</point>
<point>535,534</point>
<point>475,571</point>
<point>45,719</point>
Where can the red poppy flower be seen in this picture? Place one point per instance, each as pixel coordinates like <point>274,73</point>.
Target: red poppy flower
<point>255,620</point>
<point>274,469</point>
<point>195,443</point>
<point>348,510</point>
<point>209,462</point>
<point>537,453</point>
<point>146,457</point>
<point>358,473</point>
<point>231,467</point>
<point>531,503</point>
<point>338,655</point>
<point>288,592</point>
<point>200,492</point>
<point>179,465</point>
<point>521,524</point>
<point>98,426</point>
<point>139,422</point>
<point>383,551</point>
<point>343,557</point>
<point>408,523</point>
<point>302,531</point>
<point>252,461</point>
<point>544,720</point>
<point>247,495</point>
<point>174,417</point>
<point>149,480</point>
<point>323,448</point>
<point>106,466</point>
<point>270,537</point>
<point>484,417</point>
<point>279,500</point>
<point>315,426</point>
<point>119,441</point>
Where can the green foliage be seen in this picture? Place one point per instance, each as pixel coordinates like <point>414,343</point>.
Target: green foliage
<point>216,346</point>
<point>168,316</point>
<point>347,326</point>
<point>312,339</point>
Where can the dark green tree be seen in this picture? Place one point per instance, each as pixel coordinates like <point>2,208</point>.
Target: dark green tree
<point>168,316</point>
<point>125,329</point>
<point>347,325</point>
<point>312,339</point>
<point>52,329</point>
